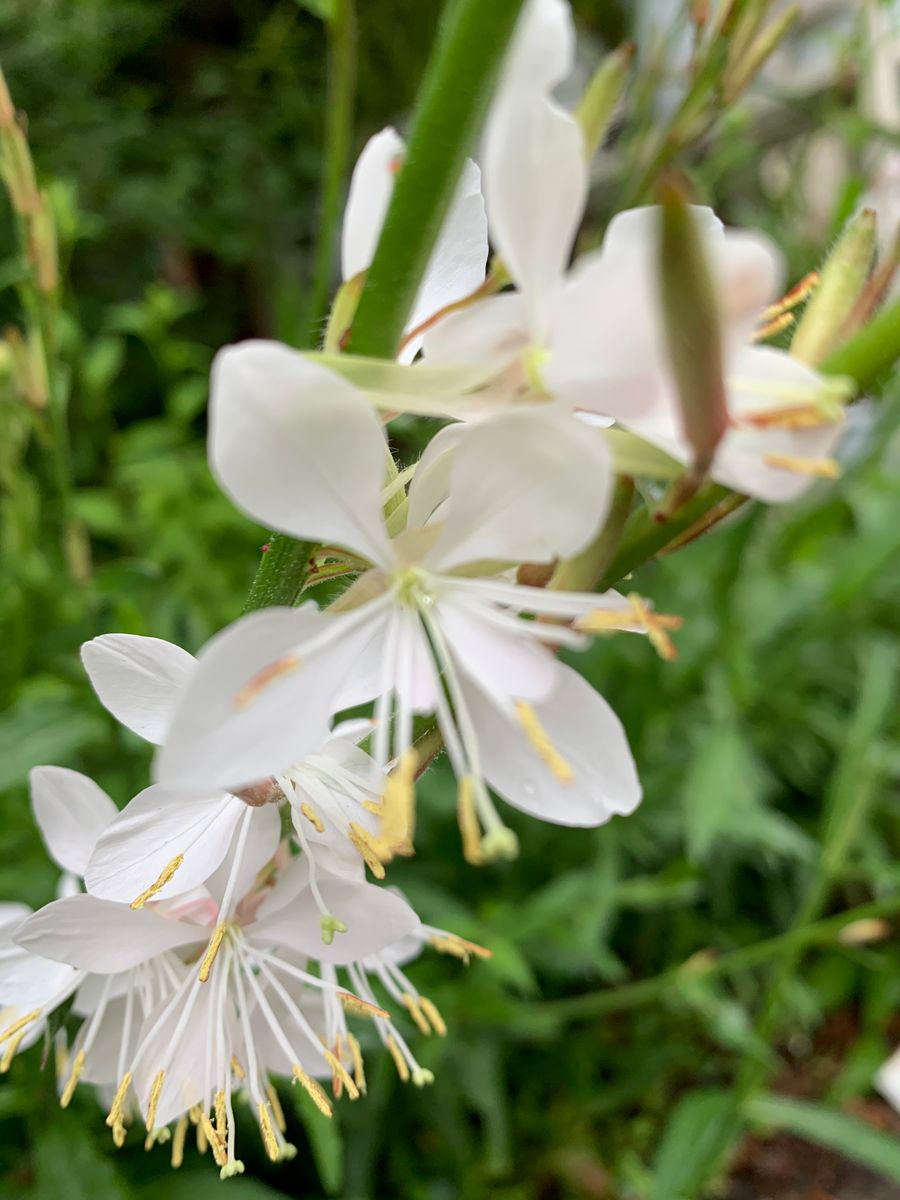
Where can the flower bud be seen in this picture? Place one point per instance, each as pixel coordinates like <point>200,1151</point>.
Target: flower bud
<point>601,97</point>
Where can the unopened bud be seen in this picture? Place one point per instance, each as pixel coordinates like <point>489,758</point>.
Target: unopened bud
<point>693,334</point>
<point>29,368</point>
<point>601,97</point>
<point>745,65</point>
<point>842,280</point>
<point>7,108</point>
<point>42,247</point>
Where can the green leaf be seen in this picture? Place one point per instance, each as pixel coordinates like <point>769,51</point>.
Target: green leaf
<point>325,1141</point>
<point>43,731</point>
<point>324,9</point>
<point>829,1127</point>
<point>205,1185</point>
<point>68,1163</point>
<point>700,1130</point>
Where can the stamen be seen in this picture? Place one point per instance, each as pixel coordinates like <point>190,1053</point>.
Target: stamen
<point>262,679</point>
<point>312,816</point>
<point>153,1103</point>
<point>215,1142</point>
<point>69,1090</point>
<point>359,1073</point>
<point>181,1129</point>
<point>268,1133</point>
<point>820,468</point>
<point>211,951</point>
<point>793,416</point>
<point>373,806</point>
<point>791,298</point>
<point>430,1009</point>
<point>157,886</point>
<point>118,1134</point>
<point>409,1003</point>
<point>10,1052</point>
<point>330,926</point>
<point>541,742</point>
<point>313,1089</point>
<point>277,1110</point>
<point>449,943</point>
<point>221,1119</point>
<point>398,810</point>
<point>422,1077</point>
<point>467,817</point>
<point>339,1072</point>
<point>656,625</point>
<point>238,1069</point>
<point>399,1061</point>
<point>20,1024</point>
<point>362,840</point>
<point>772,328</point>
<point>358,1007</point>
<point>117,1107</point>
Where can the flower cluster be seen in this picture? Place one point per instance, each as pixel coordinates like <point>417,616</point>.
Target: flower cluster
<point>219,930</point>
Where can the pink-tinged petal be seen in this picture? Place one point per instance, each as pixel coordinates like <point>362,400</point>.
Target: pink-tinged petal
<point>527,486</point>
<point>252,684</point>
<point>492,331</point>
<point>158,826</point>
<point>259,846</point>
<point>586,734</point>
<point>371,187</point>
<point>138,679</point>
<point>535,173</point>
<point>100,935</point>
<point>374,917</point>
<point>71,812</point>
<point>297,448</point>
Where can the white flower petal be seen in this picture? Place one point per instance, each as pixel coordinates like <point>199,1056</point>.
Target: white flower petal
<point>374,917</point>
<point>221,732</point>
<point>585,732</point>
<point>260,845</point>
<point>138,679</point>
<point>101,936</point>
<point>887,1080</point>
<point>527,486</point>
<point>297,447</point>
<point>12,913</point>
<point>158,825</point>
<point>535,173</point>
<point>371,186</point>
<point>28,981</point>
<point>71,812</point>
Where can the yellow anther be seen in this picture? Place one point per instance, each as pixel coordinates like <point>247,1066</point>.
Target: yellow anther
<point>158,884</point>
<point>540,740</point>
<point>430,1009</point>
<point>202,1142</point>
<point>277,1110</point>
<point>69,1090</point>
<point>359,1071</point>
<point>181,1128</point>
<point>12,1030</point>
<point>339,1072</point>
<point>373,806</point>
<point>772,328</point>
<point>656,626</point>
<point>216,1144</point>
<point>467,817</point>
<point>820,468</point>
<point>153,1102</point>
<point>118,1105</point>
<point>156,1137</point>
<point>313,817</point>
<point>211,951</point>
<point>268,1133</point>
<point>449,943</point>
<point>398,817</point>
<point>358,1007</point>
<point>237,1068</point>
<point>287,1153</point>
<point>399,1061</point>
<point>262,679</point>
<point>118,1134</point>
<point>10,1052</point>
<point>234,1167</point>
<point>221,1118</point>
<point>792,416</point>
<point>412,1007</point>
<point>792,298</point>
<point>313,1089</point>
<point>362,840</point>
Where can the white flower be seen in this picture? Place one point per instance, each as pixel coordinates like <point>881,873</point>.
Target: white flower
<point>298,448</point>
<point>196,974</point>
<point>457,264</point>
<point>173,836</point>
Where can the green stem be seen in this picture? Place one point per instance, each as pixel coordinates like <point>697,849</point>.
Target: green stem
<point>452,102</point>
<point>647,991</point>
<point>341,33</point>
<point>870,352</point>
<point>282,573</point>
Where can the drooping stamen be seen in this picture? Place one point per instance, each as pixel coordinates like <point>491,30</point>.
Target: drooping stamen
<point>820,468</point>
<point>267,1132</point>
<point>153,1103</point>
<point>467,818</point>
<point>358,1007</point>
<point>362,840</point>
<point>656,625</point>
<point>238,1069</point>
<point>277,1110</point>
<point>313,1089</point>
<point>399,1061</point>
<point>181,1128</point>
<point>211,951</point>
<point>359,1073</point>
<point>772,328</point>
<point>10,1052</point>
<point>339,1072</point>
<point>412,1007</point>
<point>117,1108</point>
<point>792,298</point>
<point>449,943</point>
<point>69,1090</point>
<point>398,810</point>
<point>312,816</point>
<point>542,743</point>
<point>215,1143</point>
<point>157,886</point>
<point>794,416</point>
<point>13,1029</point>
<point>430,1010</point>
<point>262,679</point>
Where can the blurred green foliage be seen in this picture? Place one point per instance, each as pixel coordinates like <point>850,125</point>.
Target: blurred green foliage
<point>185,145</point>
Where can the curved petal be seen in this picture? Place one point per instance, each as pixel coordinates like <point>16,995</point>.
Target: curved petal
<point>260,844</point>
<point>297,448</point>
<point>219,732</point>
<point>71,812</point>
<point>371,186</point>
<point>588,736</point>
<point>101,936</point>
<point>138,679</point>
<point>527,486</point>
<point>29,981</point>
<point>12,914</point>
<point>374,917</point>
<point>159,824</point>
<point>535,173</point>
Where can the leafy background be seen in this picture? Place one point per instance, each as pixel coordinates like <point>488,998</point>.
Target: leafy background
<point>183,145</point>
